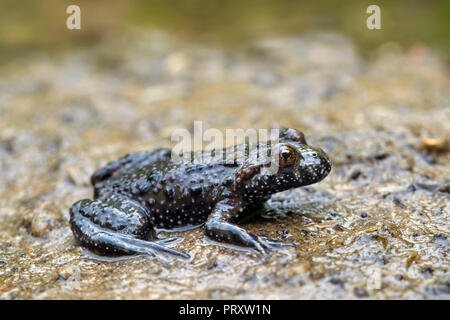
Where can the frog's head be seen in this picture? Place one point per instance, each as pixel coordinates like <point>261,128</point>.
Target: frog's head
<point>298,163</point>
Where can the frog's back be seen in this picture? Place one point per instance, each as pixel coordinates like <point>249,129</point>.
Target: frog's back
<point>147,176</point>
<point>129,163</point>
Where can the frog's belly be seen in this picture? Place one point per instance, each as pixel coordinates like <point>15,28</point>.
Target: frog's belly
<point>169,218</point>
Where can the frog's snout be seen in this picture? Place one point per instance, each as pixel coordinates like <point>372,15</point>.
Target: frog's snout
<point>315,165</point>
<point>326,161</point>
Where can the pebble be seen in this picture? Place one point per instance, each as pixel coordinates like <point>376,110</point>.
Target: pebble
<point>360,292</point>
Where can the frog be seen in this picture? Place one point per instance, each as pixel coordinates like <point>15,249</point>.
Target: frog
<point>142,193</point>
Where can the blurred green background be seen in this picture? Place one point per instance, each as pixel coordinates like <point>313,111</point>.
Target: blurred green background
<point>31,26</point>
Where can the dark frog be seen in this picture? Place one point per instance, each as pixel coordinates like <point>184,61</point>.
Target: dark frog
<point>143,191</point>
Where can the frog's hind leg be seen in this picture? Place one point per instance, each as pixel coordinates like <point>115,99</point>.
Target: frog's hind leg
<point>115,227</point>
<point>124,244</point>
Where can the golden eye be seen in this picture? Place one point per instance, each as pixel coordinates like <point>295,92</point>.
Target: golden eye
<point>287,156</point>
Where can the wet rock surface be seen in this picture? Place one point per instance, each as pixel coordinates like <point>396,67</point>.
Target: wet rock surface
<point>376,227</point>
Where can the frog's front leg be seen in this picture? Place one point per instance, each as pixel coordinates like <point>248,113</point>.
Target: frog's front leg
<point>115,225</point>
<point>220,228</point>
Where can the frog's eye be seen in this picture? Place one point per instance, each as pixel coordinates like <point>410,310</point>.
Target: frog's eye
<point>286,156</point>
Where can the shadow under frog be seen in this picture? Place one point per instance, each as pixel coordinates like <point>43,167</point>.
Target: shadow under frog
<point>143,191</point>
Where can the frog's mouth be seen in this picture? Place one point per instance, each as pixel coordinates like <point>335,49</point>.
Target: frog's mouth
<point>327,163</point>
